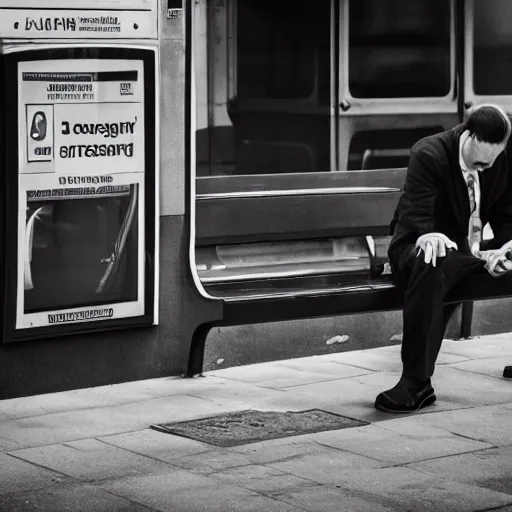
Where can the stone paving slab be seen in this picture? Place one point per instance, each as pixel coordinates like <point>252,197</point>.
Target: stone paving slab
<point>416,443</point>
<point>91,398</point>
<point>74,425</point>
<point>156,445</point>
<point>75,498</point>
<point>182,492</point>
<point>275,375</point>
<point>241,396</point>
<point>481,347</point>
<point>326,468</point>
<point>490,366</point>
<point>400,488</point>
<point>326,364</point>
<point>385,359</point>
<point>18,475</point>
<point>489,424</point>
<point>276,450</point>
<point>169,386</point>
<point>330,499</point>
<point>255,373</point>
<point>107,396</point>
<point>8,444</point>
<point>263,479</point>
<point>470,388</point>
<point>200,457</point>
<point>491,468</point>
<point>212,461</point>
<point>354,397</point>
<point>91,460</point>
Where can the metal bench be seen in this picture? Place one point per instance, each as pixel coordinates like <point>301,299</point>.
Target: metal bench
<point>261,250</point>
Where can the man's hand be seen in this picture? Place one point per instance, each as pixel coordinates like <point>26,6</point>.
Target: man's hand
<point>434,245</point>
<point>499,262</point>
<point>502,265</point>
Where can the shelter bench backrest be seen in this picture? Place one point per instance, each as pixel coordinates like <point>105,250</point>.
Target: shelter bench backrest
<point>259,208</point>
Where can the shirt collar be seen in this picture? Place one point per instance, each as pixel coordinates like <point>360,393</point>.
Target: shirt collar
<point>462,164</point>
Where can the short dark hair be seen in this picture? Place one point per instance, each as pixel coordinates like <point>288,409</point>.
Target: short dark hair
<point>488,123</point>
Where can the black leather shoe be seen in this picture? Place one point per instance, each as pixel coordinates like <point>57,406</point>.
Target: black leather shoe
<point>401,400</point>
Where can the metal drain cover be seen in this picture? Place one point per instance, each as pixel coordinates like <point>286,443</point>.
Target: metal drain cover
<point>244,427</point>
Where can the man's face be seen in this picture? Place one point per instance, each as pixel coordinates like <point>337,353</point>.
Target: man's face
<point>481,155</point>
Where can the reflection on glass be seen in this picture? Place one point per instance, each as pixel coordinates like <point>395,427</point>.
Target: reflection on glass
<point>492,64</point>
<point>385,149</point>
<point>279,117</point>
<point>399,48</point>
<point>81,252</point>
<point>283,51</point>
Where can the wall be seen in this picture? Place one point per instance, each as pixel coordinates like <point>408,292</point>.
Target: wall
<point>237,346</point>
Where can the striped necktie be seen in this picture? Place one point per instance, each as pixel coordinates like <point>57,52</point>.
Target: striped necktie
<point>475,224</point>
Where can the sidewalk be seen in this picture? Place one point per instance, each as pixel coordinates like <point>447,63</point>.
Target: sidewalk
<point>92,450</point>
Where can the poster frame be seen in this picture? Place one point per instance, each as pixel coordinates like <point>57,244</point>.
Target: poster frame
<point>10,186</point>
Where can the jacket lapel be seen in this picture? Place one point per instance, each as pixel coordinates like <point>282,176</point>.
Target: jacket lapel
<point>493,182</point>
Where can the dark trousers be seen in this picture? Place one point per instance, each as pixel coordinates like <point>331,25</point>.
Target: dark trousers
<point>424,316</point>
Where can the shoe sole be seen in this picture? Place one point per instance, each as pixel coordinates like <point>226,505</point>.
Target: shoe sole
<point>430,399</point>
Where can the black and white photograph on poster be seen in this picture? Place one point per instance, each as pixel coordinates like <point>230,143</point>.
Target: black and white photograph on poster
<point>81,256</point>
<point>81,230</point>
<point>86,244</point>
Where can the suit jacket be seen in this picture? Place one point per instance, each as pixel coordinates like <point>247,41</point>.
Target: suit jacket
<point>435,196</point>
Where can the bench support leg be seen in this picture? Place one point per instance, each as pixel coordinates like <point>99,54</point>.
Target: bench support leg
<point>196,356</point>
<point>466,319</point>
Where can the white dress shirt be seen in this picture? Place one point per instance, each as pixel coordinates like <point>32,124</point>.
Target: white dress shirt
<point>466,173</point>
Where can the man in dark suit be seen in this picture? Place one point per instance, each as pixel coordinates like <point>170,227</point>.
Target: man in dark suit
<point>457,182</point>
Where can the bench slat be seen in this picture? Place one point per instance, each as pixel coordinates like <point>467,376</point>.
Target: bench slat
<point>240,220</point>
<point>290,299</point>
<point>394,178</point>
<point>296,192</point>
<point>348,300</point>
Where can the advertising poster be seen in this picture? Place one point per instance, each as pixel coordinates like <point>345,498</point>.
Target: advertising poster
<point>81,178</point>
